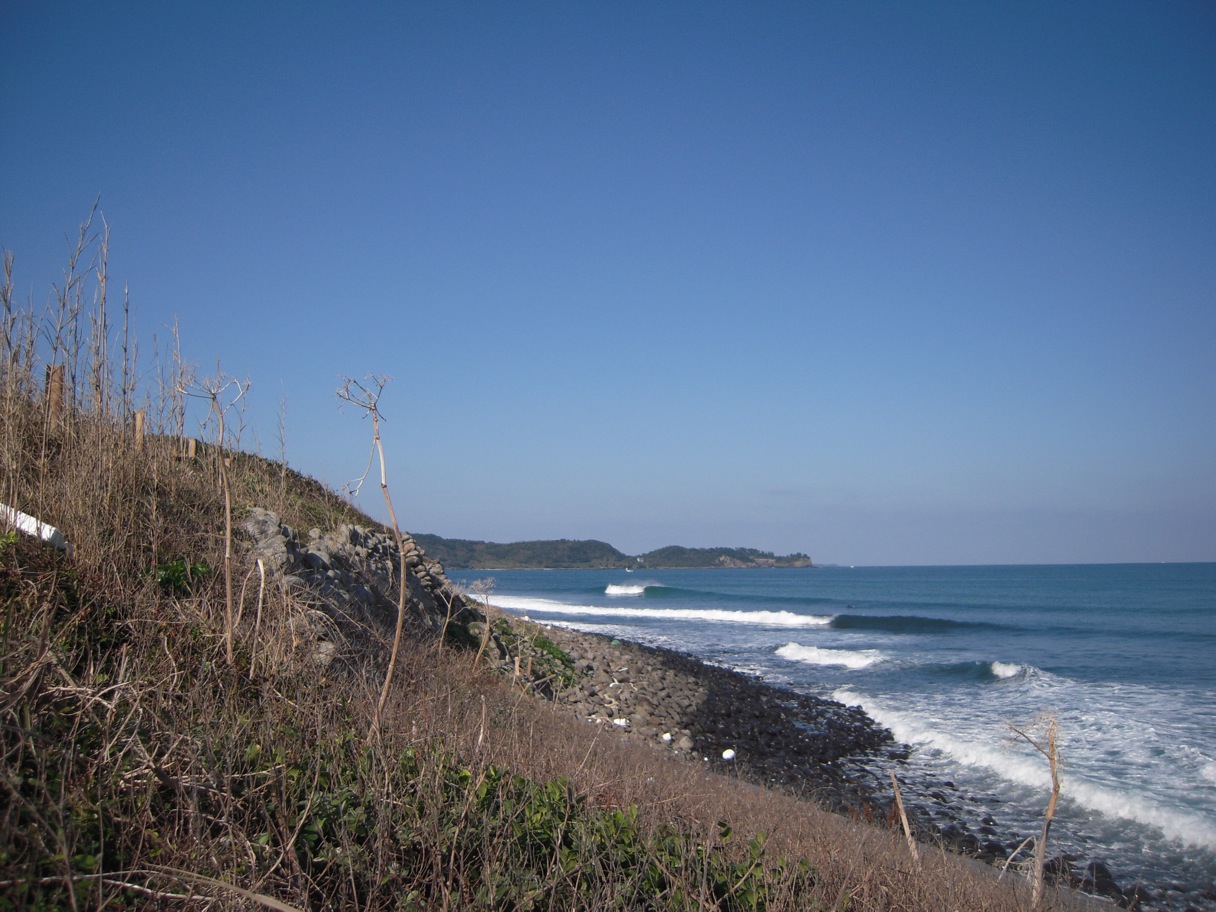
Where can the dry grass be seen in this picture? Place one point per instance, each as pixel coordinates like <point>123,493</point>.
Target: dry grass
<point>142,768</point>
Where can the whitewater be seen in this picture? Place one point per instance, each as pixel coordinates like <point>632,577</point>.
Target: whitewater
<point>951,659</point>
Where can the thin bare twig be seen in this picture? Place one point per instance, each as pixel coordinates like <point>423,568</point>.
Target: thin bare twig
<point>1049,748</point>
<point>214,391</point>
<point>903,818</point>
<point>368,399</point>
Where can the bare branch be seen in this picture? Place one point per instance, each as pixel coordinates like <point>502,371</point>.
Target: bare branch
<point>1049,748</point>
<point>368,398</point>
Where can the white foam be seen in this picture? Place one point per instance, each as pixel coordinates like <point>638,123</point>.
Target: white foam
<point>1007,669</point>
<point>995,754</point>
<point>625,589</point>
<point>816,655</point>
<point>589,627</point>
<point>1188,828</point>
<point>1208,771</point>
<point>758,618</point>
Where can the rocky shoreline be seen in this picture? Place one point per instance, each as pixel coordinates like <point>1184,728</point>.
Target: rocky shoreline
<point>342,579</point>
<point>730,721</point>
<point>807,746</point>
<point>804,745</point>
<point>822,750</point>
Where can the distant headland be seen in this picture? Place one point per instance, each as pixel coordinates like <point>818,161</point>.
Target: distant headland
<point>568,554</point>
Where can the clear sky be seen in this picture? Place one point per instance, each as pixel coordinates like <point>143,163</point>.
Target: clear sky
<point>884,282</point>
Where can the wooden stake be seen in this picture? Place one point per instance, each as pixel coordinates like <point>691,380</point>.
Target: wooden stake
<point>54,394</point>
<point>903,818</point>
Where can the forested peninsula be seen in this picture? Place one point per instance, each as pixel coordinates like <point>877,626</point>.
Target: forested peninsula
<point>572,554</point>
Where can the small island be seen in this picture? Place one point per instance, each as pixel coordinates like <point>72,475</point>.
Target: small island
<point>570,554</point>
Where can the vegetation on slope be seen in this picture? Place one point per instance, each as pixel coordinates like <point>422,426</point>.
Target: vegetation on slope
<point>168,741</point>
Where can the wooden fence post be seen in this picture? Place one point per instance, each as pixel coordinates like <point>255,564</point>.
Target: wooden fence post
<point>54,394</point>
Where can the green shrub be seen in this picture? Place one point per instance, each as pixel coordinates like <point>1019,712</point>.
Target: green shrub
<point>179,577</point>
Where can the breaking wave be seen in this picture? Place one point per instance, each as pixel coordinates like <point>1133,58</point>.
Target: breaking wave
<point>527,605</point>
<point>817,655</point>
<point>1006,670</point>
<point>995,755</point>
<point>627,589</point>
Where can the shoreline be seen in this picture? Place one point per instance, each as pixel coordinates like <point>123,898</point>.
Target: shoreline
<point>798,743</point>
<point>810,747</point>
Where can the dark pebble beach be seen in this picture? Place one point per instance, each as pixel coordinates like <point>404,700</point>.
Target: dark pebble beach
<point>807,746</point>
<point>716,716</point>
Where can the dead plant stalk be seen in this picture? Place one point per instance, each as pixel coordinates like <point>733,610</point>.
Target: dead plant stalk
<point>214,391</point>
<point>1049,748</point>
<point>368,399</point>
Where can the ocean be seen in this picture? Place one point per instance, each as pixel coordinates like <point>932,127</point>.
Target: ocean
<point>949,659</point>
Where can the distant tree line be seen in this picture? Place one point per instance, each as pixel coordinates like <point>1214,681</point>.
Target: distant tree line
<point>676,556</point>
<point>560,554</point>
<point>570,554</point>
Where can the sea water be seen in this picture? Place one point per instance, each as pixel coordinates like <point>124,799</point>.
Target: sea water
<point>951,660</point>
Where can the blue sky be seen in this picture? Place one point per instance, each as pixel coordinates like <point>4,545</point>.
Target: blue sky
<point>882,282</point>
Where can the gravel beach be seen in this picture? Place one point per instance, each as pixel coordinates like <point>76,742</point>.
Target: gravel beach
<point>801,744</point>
<point>821,750</point>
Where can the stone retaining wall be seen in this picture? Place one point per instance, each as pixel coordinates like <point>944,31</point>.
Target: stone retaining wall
<point>344,583</point>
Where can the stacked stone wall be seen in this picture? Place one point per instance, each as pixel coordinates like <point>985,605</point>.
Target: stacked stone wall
<point>343,584</point>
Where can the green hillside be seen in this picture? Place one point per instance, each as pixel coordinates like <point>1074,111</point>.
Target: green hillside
<point>675,556</point>
<point>559,554</point>
<point>566,554</point>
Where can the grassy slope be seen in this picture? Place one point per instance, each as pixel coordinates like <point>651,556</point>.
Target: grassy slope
<point>142,769</point>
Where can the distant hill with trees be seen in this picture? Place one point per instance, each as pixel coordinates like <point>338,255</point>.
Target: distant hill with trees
<point>559,554</point>
<point>571,554</point>
<point>675,556</point>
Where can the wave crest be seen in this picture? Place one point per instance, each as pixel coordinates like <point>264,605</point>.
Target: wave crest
<point>1005,670</point>
<point>719,615</point>
<point>817,655</point>
<point>902,623</point>
<point>1110,800</point>
<point>626,588</point>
